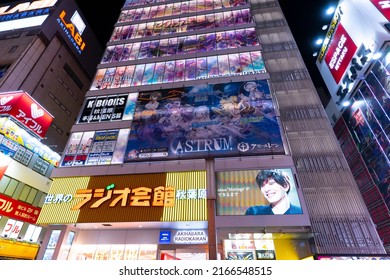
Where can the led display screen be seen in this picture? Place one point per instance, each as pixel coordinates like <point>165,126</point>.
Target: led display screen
<point>257,192</point>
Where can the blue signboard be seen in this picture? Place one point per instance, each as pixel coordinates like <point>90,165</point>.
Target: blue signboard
<point>165,237</point>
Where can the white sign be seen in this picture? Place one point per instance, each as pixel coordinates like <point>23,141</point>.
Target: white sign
<point>190,237</point>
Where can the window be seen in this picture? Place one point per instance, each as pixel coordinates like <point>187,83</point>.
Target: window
<point>13,49</point>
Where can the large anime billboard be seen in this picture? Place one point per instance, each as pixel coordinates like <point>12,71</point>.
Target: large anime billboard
<point>207,120</point>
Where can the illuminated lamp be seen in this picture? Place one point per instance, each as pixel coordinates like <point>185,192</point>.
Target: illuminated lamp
<point>319,41</point>
<point>346,103</point>
<point>330,10</point>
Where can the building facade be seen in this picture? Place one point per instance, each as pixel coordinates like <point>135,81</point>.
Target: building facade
<point>359,109</point>
<point>46,67</point>
<point>198,111</point>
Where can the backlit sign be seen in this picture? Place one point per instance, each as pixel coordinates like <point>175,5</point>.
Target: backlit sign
<point>190,237</point>
<point>27,111</point>
<point>329,36</point>
<point>340,52</point>
<point>27,6</point>
<point>18,210</point>
<point>383,7</point>
<point>73,29</point>
<point>142,196</point>
<point>25,15</point>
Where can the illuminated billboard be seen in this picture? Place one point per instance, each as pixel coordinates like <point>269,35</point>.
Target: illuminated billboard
<point>16,140</point>
<point>25,15</point>
<point>340,52</point>
<point>155,197</point>
<point>23,108</point>
<point>257,192</point>
<point>207,120</point>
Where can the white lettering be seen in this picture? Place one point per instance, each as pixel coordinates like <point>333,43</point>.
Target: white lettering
<point>384,4</point>
<point>27,6</point>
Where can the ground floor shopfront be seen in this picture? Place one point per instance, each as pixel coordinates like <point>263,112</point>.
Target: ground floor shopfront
<point>76,242</point>
<point>185,215</point>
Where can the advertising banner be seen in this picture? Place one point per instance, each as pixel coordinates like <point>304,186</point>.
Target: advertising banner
<point>383,7</point>
<point>128,198</point>
<point>18,210</point>
<point>27,111</point>
<point>257,192</point>
<point>15,138</point>
<point>4,162</point>
<point>340,52</point>
<point>108,108</point>
<point>231,119</point>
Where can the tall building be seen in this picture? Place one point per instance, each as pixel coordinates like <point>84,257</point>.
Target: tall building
<point>360,106</point>
<point>198,111</point>
<point>48,57</point>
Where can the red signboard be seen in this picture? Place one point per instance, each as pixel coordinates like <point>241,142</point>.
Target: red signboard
<point>18,210</point>
<point>383,7</point>
<point>4,162</point>
<point>340,52</point>
<point>26,110</point>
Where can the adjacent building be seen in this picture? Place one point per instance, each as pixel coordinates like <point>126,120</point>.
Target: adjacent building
<point>357,78</point>
<point>197,111</point>
<point>48,57</point>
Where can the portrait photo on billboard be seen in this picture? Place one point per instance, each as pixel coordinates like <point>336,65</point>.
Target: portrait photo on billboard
<point>206,120</point>
<point>257,192</point>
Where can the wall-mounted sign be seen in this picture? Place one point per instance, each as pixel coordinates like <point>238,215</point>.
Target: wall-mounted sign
<point>108,108</point>
<point>27,6</point>
<point>18,210</point>
<point>4,162</point>
<point>383,7</point>
<point>73,27</point>
<point>257,192</point>
<point>340,52</point>
<point>190,237</point>
<point>127,198</point>
<point>165,237</point>
<point>25,15</point>
<point>22,107</point>
<point>15,135</point>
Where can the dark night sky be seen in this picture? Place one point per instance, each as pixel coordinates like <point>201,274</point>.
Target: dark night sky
<point>305,18</point>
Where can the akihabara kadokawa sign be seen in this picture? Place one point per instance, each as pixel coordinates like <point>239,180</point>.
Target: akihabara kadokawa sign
<point>22,107</point>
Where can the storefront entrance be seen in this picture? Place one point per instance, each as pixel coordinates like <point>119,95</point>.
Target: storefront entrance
<point>183,252</point>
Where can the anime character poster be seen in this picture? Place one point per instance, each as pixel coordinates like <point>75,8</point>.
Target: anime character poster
<point>83,149</point>
<point>232,119</point>
<point>128,76</point>
<point>71,149</point>
<point>98,80</point>
<point>108,147</point>
<point>96,148</point>
<point>108,78</point>
<point>108,54</point>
